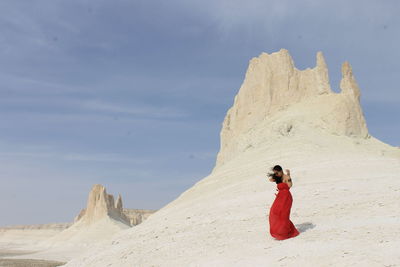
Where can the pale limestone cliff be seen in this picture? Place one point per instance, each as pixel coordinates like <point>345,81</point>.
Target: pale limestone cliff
<point>118,203</point>
<point>137,216</point>
<point>278,99</point>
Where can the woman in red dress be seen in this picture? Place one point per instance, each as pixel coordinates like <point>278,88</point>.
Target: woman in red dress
<point>279,215</point>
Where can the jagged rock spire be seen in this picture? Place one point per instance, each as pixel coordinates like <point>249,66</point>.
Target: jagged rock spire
<point>118,204</point>
<point>322,74</point>
<point>273,84</point>
<point>100,204</point>
<point>348,83</point>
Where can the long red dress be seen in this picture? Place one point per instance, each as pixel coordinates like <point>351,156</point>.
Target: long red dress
<point>281,227</point>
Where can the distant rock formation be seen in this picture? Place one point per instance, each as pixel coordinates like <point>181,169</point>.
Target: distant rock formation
<point>137,216</point>
<point>100,204</point>
<point>101,218</point>
<point>273,85</point>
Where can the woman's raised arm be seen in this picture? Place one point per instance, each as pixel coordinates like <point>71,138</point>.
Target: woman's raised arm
<point>288,179</point>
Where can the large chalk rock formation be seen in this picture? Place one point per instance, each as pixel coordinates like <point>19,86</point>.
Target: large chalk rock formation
<point>272,83</point>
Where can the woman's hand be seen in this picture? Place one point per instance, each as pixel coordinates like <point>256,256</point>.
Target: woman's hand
<point>271,179</point>
<point>288,172</point>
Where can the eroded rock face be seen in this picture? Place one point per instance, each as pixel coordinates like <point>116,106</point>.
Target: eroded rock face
<point>137,216</point>
<point>118,204</point>
<point>99,205</point>
<point>273,85</point>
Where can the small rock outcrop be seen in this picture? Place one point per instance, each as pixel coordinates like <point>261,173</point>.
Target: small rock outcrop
<point>99,205</point>
<point>137,216</point>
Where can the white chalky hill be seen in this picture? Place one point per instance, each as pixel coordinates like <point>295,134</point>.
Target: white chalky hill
<point>346,183</point>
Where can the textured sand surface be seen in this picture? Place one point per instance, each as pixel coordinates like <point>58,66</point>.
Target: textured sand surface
<point>4,262</point>
<point>345,205</point>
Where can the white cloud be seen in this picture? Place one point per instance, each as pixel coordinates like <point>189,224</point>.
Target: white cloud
<point>97,157</point>
<point>146,110</point>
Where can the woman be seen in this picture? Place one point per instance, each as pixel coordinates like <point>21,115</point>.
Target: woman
<point>279,215</point>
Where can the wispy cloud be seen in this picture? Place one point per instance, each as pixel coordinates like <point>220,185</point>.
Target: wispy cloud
<point>157,112</point>
<point>95,157</point>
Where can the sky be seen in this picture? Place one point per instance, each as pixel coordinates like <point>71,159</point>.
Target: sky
<point>132,94</point>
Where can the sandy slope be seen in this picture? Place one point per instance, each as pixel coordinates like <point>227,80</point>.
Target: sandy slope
<point>19,236</point>
<point>70,243</point>
<point>346,194</point>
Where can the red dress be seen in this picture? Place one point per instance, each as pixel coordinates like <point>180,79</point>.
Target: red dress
<point>279,215</point>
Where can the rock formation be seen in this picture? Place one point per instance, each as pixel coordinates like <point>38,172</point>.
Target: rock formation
<point>102,218</point>
<point>118,204</point>
<point>137,216</point>
<point>100,205</point>
<point>101,212</point>
<point>273,84</point>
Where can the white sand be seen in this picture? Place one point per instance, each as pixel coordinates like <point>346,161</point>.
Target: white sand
<point>64,245</point>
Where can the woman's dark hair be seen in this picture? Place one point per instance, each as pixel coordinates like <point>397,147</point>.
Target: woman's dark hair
<point>272,175</point>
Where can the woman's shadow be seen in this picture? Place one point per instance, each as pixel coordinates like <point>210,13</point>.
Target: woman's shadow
<point>302,227</point>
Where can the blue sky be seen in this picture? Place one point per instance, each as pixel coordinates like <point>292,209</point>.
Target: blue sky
<point>132,94</point>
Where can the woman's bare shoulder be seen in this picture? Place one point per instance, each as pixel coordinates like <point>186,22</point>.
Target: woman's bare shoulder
<point>285,178</point>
